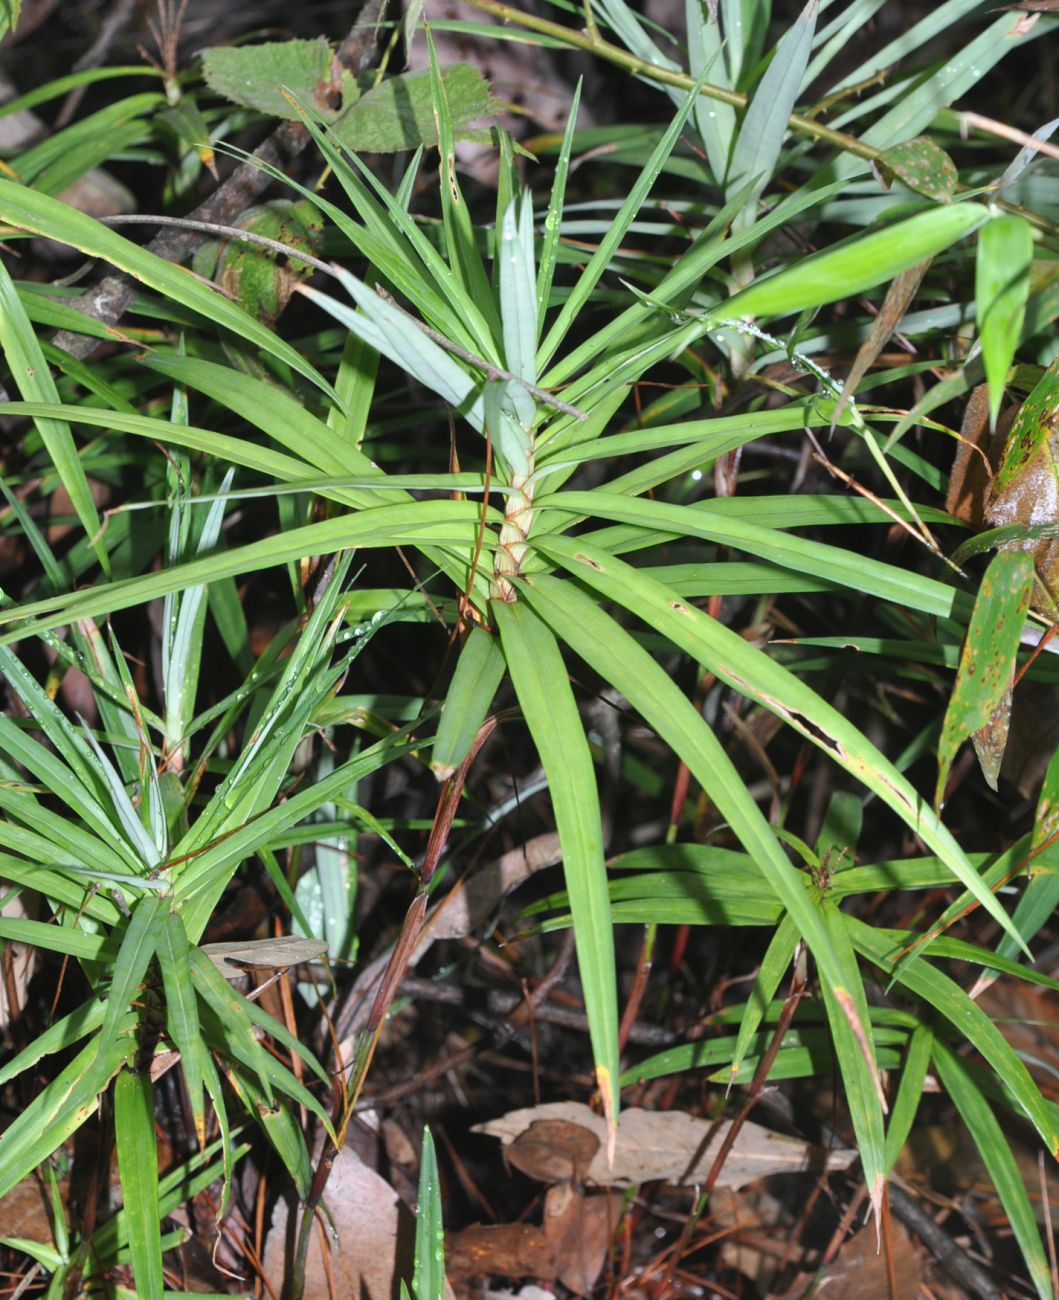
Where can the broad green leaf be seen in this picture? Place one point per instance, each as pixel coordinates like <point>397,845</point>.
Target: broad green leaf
<point>539,677</point>
<point>399,112</point>
<point>981,697</point>
<point>1002,285</point>
<point>256,75</point>
<point>856,265</point>
<point>138,1170</point>
<point>995,1150</point>
<point>479,670</point>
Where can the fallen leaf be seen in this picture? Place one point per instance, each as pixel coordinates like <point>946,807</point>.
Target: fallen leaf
<point>579,1230</point>
<point>860,1271</point>
<point>553,1150</point>
<point>370,1247</point>
<point>233,960</point>
<point>674,1147</point>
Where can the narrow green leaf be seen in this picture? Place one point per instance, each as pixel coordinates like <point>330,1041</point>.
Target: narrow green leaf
<point>909,1093</point>
<point>138,946</point>
<point>181,1013</point>
<point>34,381</point>
<point>761,134</point>
<point>754,674</point>
<point>428,1280</point>
<point>622,662</point>
<point>51,219</point>
<point>995,1151</point>
<point>543,688</point>
<point>970,1021</point>
<point>851,1030</point>
<point>777,959</point>
<point>987,664</point>
<point>603,256</point>
<point>554,216</point>
<point>1002,286</point>
<point>479,670</point>
<point>138,1170</point>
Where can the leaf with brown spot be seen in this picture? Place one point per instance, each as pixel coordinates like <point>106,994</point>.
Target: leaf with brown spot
<point>922,165</point>
<point>983,678</point>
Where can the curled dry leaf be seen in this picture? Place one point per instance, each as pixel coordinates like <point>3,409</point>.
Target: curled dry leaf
<point>233,960</point>
<point>553,1150</point>
<point>674,1147</point>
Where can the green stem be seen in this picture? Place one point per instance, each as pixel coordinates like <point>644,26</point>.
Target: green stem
<point>594,44</point>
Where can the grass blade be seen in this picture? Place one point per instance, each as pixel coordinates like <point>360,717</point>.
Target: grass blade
<point>138,1170</point>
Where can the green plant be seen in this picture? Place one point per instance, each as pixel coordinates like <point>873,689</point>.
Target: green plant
<point>567,544</point>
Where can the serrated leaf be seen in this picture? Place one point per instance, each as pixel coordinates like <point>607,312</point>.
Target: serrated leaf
<point>399,113</point>
<point>252,75</point>
<point>987,662</point>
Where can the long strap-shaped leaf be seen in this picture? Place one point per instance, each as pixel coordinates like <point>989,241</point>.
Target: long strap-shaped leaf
<point>543,688</point>
<point>579,621</point>
<point>138,1166</point>
<point>754,674</point>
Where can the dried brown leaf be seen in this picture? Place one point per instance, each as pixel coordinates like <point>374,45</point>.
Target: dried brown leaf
<point>673,1146</point>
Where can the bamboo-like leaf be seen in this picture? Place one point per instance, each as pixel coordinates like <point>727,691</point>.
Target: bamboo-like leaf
<point>34,381</point>
<point>749,671</point>
<point>712,56</point>
<point>987,664</point>
<point>856,265</point>
<point>138,1170</point>
<point>614,653</point>
<point>479,670</point>
<point>181,1014</point>
<point>47,217</point>
<point>543,688</point>
<point>431,523</point>
<point>909,1093</point>
<point>603,256</point>
<point>138,946</point>
<point>996,1153</point>
<point>970,1021</point>
<point>518,299</point>
<point>1002,286</point>
<point>777,959</point>
<point>760,138</point>
<point>59,1109</point>
<point>851,1030</point>
<point>554,216</point>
